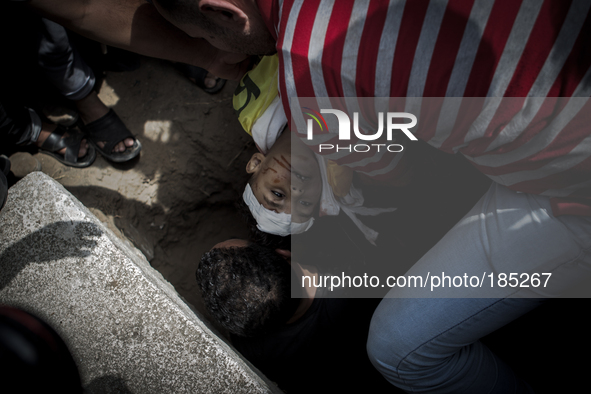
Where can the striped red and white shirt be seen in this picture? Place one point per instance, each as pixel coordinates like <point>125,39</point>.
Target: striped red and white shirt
<point>527,50</point>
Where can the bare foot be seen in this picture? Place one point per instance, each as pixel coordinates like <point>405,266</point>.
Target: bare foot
<point>91,108</point>
<point>46,131</point>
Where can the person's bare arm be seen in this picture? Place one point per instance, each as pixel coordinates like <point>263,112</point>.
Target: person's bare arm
<point>136,26</point>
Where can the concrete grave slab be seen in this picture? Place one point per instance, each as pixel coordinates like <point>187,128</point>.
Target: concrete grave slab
<point>126,327</point>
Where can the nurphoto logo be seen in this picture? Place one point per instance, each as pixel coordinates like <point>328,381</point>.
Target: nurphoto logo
<point>344,122</point>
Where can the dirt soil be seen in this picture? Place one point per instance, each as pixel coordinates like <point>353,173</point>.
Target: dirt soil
<point>176,201</point>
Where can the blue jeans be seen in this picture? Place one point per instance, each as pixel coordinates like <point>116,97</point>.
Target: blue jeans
<point>431,345</point>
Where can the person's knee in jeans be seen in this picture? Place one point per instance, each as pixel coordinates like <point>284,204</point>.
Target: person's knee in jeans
<point>391,340</point>
<point>432,345</point>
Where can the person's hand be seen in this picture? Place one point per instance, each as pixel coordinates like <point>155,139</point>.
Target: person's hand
<point>286,254</point>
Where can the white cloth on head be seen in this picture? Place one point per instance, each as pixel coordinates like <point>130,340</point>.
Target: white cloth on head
<point>269,126</point>
<point>298,228</point>
<point>277,223</point>
<point>351,204</point>
<point>265,132</point>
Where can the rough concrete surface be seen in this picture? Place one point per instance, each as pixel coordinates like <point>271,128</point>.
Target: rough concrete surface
<point>126,326</point>
<point>177,200</point>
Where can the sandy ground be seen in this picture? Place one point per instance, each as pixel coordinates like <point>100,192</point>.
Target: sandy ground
<point>176,200</point>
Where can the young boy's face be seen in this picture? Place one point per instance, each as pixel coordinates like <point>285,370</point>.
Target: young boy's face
<point>287,180</point>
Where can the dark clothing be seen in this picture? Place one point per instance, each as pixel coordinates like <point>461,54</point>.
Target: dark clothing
<point>4,168</point>
<point>322,352</point>
<point>17,126</point>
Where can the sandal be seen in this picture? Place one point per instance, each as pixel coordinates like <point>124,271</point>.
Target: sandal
<point>111,129</point>
<point>70,139</point>
<point>197,75</point>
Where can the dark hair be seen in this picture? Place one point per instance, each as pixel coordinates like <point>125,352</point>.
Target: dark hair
<point>246,289</point>
<point>257,236</point>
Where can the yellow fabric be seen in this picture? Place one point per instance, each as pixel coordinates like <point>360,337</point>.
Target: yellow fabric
<point>339,177</point>
<point>257,89</point>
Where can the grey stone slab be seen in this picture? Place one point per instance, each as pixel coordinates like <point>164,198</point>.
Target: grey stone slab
<point>126,326</point>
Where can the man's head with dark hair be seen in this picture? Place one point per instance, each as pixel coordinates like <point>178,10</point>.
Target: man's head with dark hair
<point>246,287</point>
<point>232,26</point>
